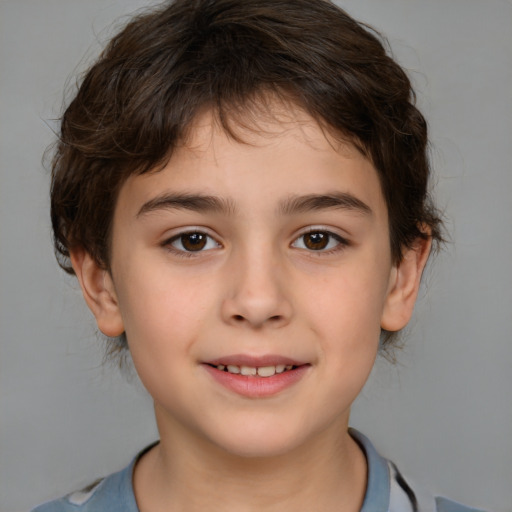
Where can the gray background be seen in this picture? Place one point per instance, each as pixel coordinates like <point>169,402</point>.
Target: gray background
<point>443,413</point>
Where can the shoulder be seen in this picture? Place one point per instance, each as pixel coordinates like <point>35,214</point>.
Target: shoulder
<point>388,489</point>
<point>111,494</point>
<point>403,490</point>
<point>445,505</point>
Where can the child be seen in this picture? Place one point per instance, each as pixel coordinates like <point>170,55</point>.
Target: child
<point>241,190</point>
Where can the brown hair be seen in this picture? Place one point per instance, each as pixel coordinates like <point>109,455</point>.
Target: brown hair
<point>139,98</point>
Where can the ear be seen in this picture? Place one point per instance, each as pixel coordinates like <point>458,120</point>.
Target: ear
<point>99,293</point>
<point>404,285</point>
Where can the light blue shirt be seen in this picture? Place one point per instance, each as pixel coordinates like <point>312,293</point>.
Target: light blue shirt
<point>387,491</point>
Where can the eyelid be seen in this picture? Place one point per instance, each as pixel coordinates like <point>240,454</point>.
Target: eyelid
<point>343,242</point>
<point>168,242</point>
<point>322,228</point>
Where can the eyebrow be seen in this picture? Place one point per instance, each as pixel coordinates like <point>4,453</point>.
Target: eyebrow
<point>334,200</point>
<point>194,202</point>
<point>293,204</point>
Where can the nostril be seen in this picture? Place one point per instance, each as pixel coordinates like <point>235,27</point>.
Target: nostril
<point>241,318</point>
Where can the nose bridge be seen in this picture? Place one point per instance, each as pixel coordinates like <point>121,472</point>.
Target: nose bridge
<point>256,292</point>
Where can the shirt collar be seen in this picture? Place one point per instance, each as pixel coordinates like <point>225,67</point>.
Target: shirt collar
<point>378,485</point>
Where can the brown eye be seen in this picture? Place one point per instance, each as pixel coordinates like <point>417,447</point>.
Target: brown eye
<point>316,241</point>
<point>194,241</point>
<point>320,241</point>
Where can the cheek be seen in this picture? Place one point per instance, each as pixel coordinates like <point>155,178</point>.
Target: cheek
<point>345,314</point>
<point>161,326</point>
<point>161,312</point>
<point>350,301</point>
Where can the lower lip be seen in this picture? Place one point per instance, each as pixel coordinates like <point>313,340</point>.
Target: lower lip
<point>253,386</point>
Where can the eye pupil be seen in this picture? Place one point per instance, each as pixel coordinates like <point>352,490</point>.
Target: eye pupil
<point>316,241</point>
<point>193,241</point>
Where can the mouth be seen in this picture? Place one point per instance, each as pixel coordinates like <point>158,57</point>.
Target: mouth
<point>257,377</point>
<point>254,371</point>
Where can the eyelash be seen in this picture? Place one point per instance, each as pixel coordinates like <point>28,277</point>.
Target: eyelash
<point>179,238</point>
<point>340,242</point>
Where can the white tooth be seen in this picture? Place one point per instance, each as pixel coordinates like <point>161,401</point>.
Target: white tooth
<point>247,370</point>
<point>233,369</point>
<point>289,367</point>
<point>266,371</point>
<point>221,367</point>
<point>280,368</point>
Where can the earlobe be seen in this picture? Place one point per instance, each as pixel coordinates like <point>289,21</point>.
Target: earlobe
<point>99,293</point>
<point>404,285</point>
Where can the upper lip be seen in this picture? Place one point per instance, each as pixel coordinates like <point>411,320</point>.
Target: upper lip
<point>254,361</point>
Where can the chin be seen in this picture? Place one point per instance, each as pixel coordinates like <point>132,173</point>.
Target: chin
<point>260,449</point>
<point>263,441</point>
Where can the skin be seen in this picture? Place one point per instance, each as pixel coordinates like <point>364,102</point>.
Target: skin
<point>256,288</point>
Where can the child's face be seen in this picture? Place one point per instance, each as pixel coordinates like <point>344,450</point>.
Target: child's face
<point>265,254</point>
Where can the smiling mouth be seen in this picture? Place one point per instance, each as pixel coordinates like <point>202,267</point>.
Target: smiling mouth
<point>254,371</point>
<point>257,377</point>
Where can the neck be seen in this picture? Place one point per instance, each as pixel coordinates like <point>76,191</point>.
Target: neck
<point>187,473</point>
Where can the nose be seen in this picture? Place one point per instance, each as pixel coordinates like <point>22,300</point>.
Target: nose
<point>256,294</point>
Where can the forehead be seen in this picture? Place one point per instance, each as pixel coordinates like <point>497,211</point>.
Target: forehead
<point>260,121</point>
<point>273,152</point>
